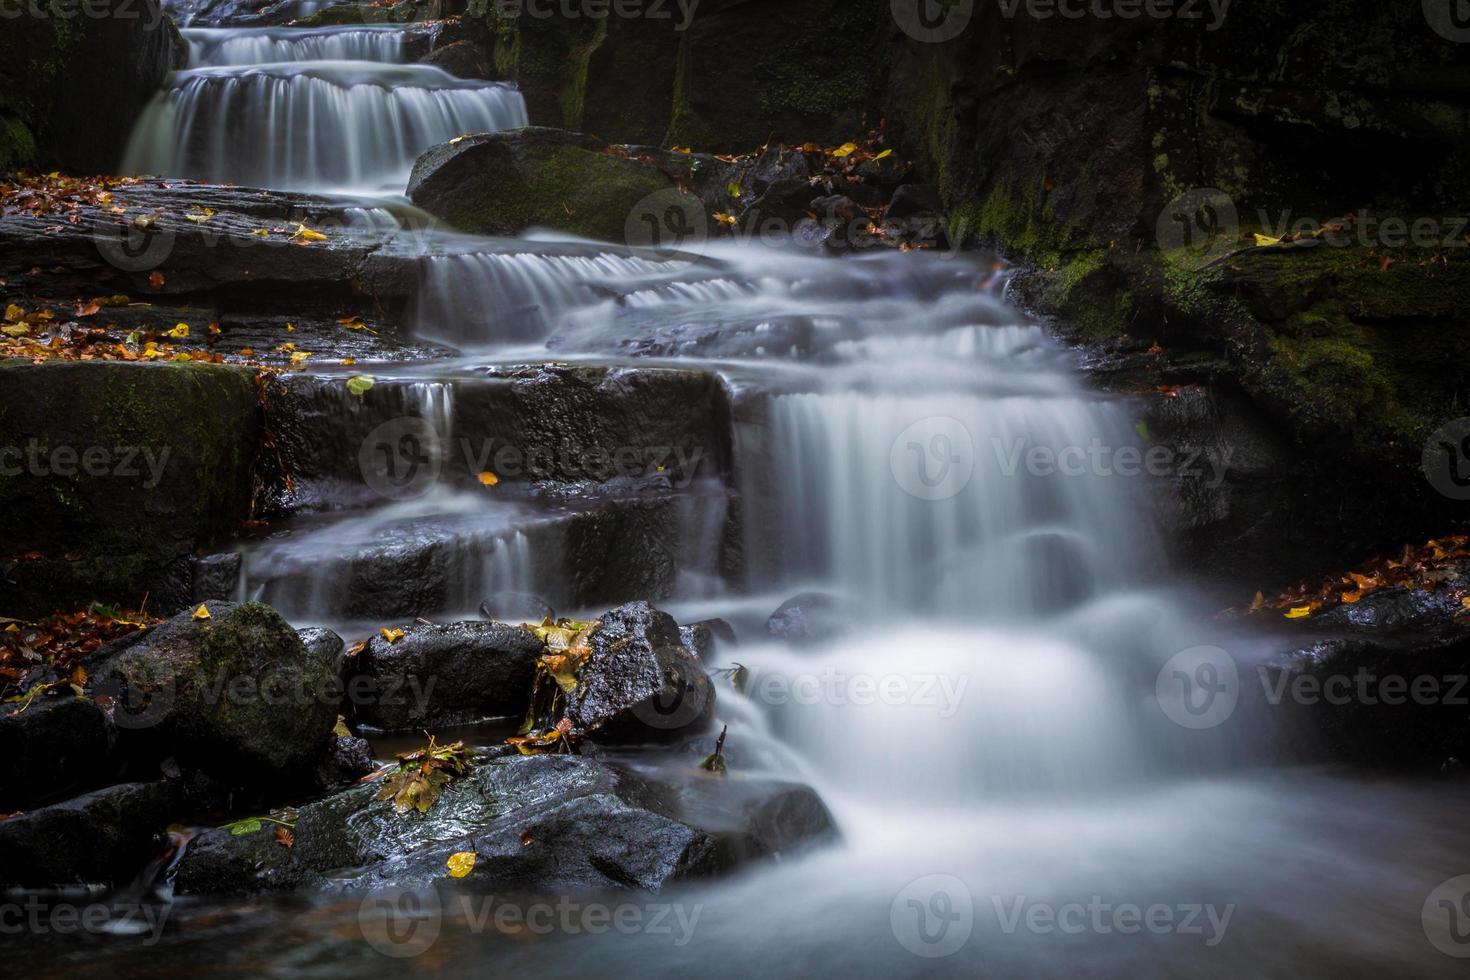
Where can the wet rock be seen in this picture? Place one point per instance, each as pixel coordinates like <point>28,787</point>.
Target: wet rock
<point>516,607</point>
<point>1397,611</point>
<point>837,207</point>
<point>780,208</point>
<point>73,86</point>
<point>535,823</point>
<point>52,746</point>
<point>811,618</point>
<point>100,838</point>
<point>346,760</point>
<point>504,183</point>
<point>216,576</point>
<point>324,645</point>
<point>461,59</point>
<point>133,467</point>
<point>442,675</point>
<point>706,637</point>
<point>640,684</point>
<point>237,695</point>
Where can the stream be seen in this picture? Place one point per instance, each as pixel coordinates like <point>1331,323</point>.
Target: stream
<point>1014,796</point>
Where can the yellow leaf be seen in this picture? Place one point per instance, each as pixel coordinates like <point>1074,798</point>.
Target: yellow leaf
<point>461,864</point>
<point>305,234</point>
<point>1300,612</point>
<point>489,479</point>
<point>734,189</point>
<point>348,360</point>
<point>15,329</point>
<point>299,358</point>
<point>201,613</point>
<point>1465,602</point>
<point>845,150</point>
<point>724,219</point>
<point>179,330</point>
<point>682,149</point>
<point>261,233</point>
<point>214,329</point>
<point>1264,240</point>
<point>290,328</point>
<point>14,313</point>
<point>884,155</point>
<point>392,636</point>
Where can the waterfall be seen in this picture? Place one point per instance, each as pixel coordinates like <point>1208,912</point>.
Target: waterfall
<point>222,47</point>
<point>315,125</point>
<point>482,299</point>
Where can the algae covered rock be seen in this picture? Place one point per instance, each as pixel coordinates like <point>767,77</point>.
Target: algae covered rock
<point>505,183</point>
<point>112,474</point>
<point>228,689</point>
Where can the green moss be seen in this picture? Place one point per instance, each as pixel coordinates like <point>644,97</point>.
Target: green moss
<point>557,186</point>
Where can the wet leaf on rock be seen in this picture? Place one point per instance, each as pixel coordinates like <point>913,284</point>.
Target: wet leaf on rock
<point>461,864</point>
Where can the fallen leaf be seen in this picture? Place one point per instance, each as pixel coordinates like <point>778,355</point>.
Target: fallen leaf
<point>461,864</point>
<point>845,150</point>
<point>201,613</point>
<point>392,636</point>
<point>1299,612</point>
<point>179,331</point>
<point>360,383</point>
<point>156,280</point>
<point>489,479</point>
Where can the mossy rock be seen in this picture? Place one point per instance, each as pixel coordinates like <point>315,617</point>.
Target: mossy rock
<point>235,694</point>
<point>71,87</point>
<point>505,183</point>
<point>114,473</point>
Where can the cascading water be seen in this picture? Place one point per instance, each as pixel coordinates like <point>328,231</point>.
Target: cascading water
<point>223,47</point>
<point>330,125</point>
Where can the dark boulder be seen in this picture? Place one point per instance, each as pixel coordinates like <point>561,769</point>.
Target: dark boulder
<point>324,645</point>
<point>101,838</point>
<point>134,467</point>
<point>535,823</point>
<point>49,747</point>
<point>346,760</point>
<point>72,85</point>
<point>442,675</point>
<point>914,201</point>
<point>237,695</point>
<point>706,637</point>
<point>640,684</point>
<point>217,576</point>
<point>505,183</point>
<point>461,59</point>
<point>811,618</point>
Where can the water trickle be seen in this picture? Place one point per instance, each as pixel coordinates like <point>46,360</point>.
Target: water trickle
<point>314,125</point>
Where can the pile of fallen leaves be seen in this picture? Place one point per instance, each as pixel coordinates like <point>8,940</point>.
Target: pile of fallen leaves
<point>420,776</point>
<point>568,645</point>
<point>59,642</point>
<point>1431,567</point>
<point>54,195</point>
